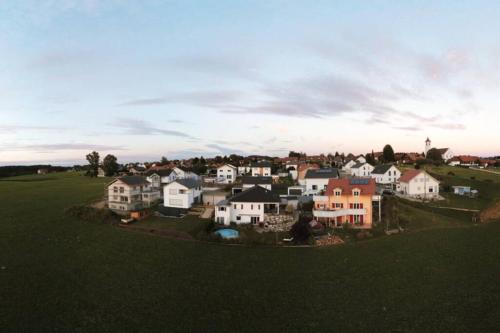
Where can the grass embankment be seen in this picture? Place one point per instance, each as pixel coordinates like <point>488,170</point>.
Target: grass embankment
<point>59,274</point>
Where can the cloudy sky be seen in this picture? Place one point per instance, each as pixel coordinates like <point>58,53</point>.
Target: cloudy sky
<point>144,79</point>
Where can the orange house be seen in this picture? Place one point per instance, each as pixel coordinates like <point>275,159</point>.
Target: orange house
<point>346,201</point>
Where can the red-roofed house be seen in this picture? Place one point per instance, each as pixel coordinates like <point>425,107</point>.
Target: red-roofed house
<point>418,183</point>
<point>346,201</point>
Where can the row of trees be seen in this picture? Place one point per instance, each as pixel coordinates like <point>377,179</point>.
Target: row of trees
<point>109,164</point>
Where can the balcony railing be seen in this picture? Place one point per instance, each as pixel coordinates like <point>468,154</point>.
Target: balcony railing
<point>338,212</point>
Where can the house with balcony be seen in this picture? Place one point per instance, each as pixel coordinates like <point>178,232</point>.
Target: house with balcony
<point>386,174</point>
<point>227,174</point>
<point>262,168</point>
<point>254,206</point>
<point>131,193</point>
<point>182,193</point>
<point>346,201</point>
<point>316,180</point>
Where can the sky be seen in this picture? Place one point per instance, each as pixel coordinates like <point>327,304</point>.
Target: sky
<point>146,79</point>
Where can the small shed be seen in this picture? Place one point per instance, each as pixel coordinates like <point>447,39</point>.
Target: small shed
<point>462,190</point>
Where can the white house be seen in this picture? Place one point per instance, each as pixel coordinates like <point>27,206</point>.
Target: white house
<point>418,183</point>
<point>262,168</point>
<point>244,170</point>
<point>361,159</point>
<point>292,169</point>
<point>227,173</point>
<point>159,178</point>
<point>361,169</point>
<point>250,206</point>
<point>316,180</point>
<point>182,193</point>
<point>386,174</point>
<point>130,193</point>
<point>181,173</point>
<point>349,164</point>
<point>250,181</point>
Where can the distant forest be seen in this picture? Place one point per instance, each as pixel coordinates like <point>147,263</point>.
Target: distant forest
<point>19,170</point>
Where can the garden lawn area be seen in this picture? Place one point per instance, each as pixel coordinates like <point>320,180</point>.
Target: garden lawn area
<point>60,274</point>
<point>191,224</point>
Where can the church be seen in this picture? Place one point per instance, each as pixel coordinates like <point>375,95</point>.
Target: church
<point>446,153</point>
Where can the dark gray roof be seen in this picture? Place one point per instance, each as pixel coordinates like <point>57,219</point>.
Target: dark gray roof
<point>256,180</point>
<point>381,169</point>
<point>261,164</point>
<point>357,165</point>
<point>255,194</point>
<point>132,180</point>
<point>161,172</point>
<point>322,173</point>
<point>189,182</point>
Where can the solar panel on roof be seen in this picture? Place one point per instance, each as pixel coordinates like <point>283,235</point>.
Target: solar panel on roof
<point>360,181</point>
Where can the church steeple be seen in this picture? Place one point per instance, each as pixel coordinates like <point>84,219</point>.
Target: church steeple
<point>427,145</point>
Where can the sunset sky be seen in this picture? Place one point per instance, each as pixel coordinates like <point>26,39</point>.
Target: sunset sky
<point>145,79</point>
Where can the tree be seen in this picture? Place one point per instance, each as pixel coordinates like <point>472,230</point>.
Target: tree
<point>301,231</point>
<point>370,158</point>
<point>110,165</point>
<point>93,159</point>
<point>434,155</point>
<point>388,154</point>
<point>164,160</point>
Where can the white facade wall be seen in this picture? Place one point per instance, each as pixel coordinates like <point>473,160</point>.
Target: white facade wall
<point>421,185</point>
<point>226,174</point>
<point>124,197</point>
<point>349,165</point>
<point>179,196</point>
<point>258,171</point>
<point>266,186</point>
<point>390,176</point>
<point>240,213</point>
<point>361,159</point>
<point>363,171</point>
<point>447,155</point>
<point>315,185</point>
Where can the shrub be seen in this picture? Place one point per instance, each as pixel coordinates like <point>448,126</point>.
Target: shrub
<point>451,173</point>
<point>473,177</point>
<point>301,231</point>
<point>90,214</point>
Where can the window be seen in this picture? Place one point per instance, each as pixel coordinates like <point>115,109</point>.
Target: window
<point>254,219</point>
<point>338,193</point>
<point>122,190</point>
<point>431,189</point>
<point>355,193</point>
<point>258,206</point>
<point>251,206</point>
<point>315,187</point>
<point>241,206</point>
<point>238,218</point>
<point>115,189</point>
<point>234,206</point>
<point>222,209</point>
<point>229,176</point>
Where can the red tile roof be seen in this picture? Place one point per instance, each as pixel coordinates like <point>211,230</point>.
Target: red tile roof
<point>347,186</point>
<point>409,175</point>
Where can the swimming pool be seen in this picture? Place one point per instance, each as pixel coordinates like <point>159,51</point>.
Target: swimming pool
<point>228,233</point>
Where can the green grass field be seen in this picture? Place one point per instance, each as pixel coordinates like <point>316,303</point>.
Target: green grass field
<point>60,274</point>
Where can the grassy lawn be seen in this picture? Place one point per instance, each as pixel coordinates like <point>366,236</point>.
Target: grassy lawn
<point>58,274</point>
<point>190,223</point>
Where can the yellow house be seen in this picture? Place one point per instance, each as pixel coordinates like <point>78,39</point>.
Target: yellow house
<point>346,201</point>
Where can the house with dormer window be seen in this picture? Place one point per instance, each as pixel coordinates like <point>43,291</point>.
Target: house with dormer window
<point>346,201</point>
